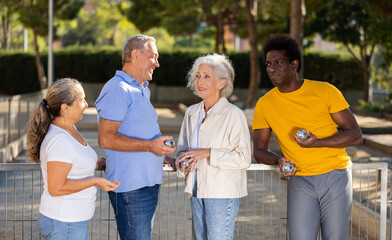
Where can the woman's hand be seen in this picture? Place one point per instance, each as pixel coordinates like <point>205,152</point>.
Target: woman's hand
<point>107,185</point>
<point>192,155</point>
<point>59,184</point>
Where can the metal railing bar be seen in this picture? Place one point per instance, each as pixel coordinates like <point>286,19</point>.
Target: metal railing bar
<point>167,167</point>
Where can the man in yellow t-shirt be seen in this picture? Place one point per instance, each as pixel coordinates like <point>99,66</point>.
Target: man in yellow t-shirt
<point>320,188</point>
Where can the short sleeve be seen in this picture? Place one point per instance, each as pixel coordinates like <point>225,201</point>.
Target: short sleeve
<point>259,120</point>
<point>60,149</point>
<point>336,100</point>
<point>113,103</point>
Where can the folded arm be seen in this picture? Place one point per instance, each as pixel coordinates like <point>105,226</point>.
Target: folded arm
<point>350,134</point>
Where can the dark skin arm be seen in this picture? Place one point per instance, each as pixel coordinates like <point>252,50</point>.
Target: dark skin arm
<point>349,135</point>
<point>261,153</point>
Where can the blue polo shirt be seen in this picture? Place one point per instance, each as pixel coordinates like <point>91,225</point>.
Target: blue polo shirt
<point>124,100</point>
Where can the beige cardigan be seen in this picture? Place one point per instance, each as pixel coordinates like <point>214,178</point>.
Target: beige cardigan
<point>226,132</point>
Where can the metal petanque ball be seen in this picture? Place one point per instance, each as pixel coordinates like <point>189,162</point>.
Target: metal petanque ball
<point>302,136</point>
<point>288,168</point>
<point>187,165</point>
<point>170,143</point>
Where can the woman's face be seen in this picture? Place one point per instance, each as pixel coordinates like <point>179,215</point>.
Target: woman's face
<point>76,109</point>
<point>207,84</point>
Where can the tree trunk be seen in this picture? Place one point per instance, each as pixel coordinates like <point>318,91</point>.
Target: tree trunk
<point>366,78</point>
<point>217,37</point>
<point>5,24</point>
<point>221,32</point>
<point>297,16</point>
<point>251,6</point>
<point>40,69</point>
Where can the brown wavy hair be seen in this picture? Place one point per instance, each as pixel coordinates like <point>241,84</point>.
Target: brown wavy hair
<point>62,91</point>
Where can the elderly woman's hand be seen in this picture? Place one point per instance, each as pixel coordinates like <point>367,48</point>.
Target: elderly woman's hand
<point>193,155</point>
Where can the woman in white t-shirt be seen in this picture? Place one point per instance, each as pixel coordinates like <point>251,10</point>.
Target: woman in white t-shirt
<point>67,162</point>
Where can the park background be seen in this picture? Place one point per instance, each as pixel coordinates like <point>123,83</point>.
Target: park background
<point>346,43</point>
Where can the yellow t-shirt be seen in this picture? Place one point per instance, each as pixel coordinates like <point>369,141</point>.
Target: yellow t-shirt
<point>307,108</point>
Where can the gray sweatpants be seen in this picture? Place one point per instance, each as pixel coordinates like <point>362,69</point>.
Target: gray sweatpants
<point>320,201</point>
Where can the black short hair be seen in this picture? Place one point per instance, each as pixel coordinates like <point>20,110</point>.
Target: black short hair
<point>286,43</point>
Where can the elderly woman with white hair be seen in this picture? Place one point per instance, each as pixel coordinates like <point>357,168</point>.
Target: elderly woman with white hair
<point>214,149</point>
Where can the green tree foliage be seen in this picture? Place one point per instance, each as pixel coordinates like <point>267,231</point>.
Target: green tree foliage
<point>183,17</point>
<point>380,7</point>
<point>34,15</point>
<point>272,16</point>
<point>7,10</point>
<point>185,23</point>
<point>145,14</point>
<point>177,17</point>
<point>352,23</point>
<point>99,23</point>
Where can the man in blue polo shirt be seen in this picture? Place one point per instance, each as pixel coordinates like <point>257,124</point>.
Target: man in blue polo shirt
<point>129,132</point>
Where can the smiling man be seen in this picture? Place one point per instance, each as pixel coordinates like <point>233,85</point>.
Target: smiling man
<point>320,189</point>
<point>129,132</point>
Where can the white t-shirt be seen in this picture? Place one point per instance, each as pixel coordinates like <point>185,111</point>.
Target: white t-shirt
<point>58,145</point>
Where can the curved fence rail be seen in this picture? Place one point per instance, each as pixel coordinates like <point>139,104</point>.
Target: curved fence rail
<point>14,117</point>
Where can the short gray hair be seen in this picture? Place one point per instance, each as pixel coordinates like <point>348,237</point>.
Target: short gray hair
<point>221,67</point>
<point>136,42</point>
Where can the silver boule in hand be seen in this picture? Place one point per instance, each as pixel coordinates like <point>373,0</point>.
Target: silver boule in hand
<point>187,165</point>
<point>170,143</point>
<point>302,136</point>
<point>288,168</point>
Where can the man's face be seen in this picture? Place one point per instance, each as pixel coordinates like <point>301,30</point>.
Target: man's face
<point>279,68</point>
<point>147,61</point>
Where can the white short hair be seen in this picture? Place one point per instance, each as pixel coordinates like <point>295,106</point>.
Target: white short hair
<point>221,67</point>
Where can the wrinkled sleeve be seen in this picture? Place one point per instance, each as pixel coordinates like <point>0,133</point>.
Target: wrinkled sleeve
<point>239,155</point>
<point>259,120</point>
<point>336,100</point>
<point>113,103</point>
<point>60,150</point>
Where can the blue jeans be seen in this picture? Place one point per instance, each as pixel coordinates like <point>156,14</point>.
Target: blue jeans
<point>57,230</point>
<point>214,218</point>
<point>320,201</point>
<point>134,212</point>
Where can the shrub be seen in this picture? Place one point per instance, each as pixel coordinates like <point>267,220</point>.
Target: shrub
<point>97,65</point>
